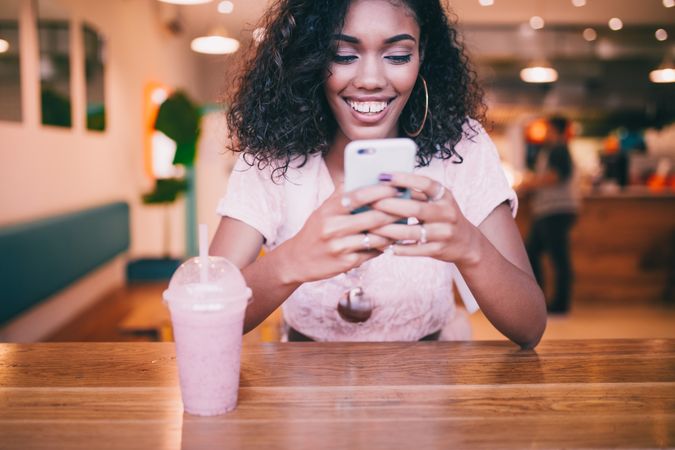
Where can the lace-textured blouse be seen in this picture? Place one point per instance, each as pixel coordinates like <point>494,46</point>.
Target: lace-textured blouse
<point>413,296</point>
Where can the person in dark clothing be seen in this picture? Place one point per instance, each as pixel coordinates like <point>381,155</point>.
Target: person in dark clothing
<point>554,205</point>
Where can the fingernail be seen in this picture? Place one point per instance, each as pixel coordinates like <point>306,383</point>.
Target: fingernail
<point>385,177</point>
<point>390,250</point>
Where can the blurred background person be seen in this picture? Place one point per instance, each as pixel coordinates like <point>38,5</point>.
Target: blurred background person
<point>554,206</point>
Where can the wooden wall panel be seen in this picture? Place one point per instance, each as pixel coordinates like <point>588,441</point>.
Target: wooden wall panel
<point>623,248</point>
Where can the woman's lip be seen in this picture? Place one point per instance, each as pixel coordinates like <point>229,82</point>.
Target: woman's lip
<point>369,99</point>
<point>368,117</point>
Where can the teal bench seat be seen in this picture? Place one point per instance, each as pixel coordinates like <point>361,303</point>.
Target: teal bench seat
<point>41,257</point>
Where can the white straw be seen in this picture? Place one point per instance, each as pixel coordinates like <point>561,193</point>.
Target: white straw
<point>203,252</point>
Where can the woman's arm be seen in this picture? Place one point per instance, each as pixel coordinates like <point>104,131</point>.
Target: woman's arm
<point>241,243</point>
<point>491,257</point>
<point>500,277</point>
<point>330,242</point>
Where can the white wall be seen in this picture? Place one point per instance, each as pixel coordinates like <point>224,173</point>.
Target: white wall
<point>213,167</point>
<point>48,170</point>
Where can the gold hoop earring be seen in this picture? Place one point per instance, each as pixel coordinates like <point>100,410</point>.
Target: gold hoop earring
<point>426,111</point>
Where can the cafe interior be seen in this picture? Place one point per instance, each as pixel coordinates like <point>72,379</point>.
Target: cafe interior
<point>83,82</point>
<point>114,148</point>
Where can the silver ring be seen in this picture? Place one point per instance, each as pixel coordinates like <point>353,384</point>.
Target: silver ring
<point>423,235</point>
<point>346,202</point>
<point>366,241</point>
<point>440,192</point>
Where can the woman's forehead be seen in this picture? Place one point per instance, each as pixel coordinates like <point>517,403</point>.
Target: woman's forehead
<point>379,15</point>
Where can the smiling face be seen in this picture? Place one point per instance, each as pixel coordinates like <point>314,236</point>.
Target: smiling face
<point>374,69</point>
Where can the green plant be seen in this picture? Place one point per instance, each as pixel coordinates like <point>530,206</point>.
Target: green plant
<point>178,118</point>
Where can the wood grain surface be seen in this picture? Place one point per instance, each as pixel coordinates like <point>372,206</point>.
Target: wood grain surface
<point>566,394</point>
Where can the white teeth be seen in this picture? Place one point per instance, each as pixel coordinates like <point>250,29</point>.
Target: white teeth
<point>367,107</point>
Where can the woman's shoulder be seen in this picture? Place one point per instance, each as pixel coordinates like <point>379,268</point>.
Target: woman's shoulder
<point>473,146</point>
<point>274,171</point>
<point>474,136</point>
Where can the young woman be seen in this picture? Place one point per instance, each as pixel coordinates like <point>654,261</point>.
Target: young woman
<point>329,72</point>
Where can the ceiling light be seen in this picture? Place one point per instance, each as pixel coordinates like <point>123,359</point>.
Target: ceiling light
<point>539,72</point>
<point>486,2</point>
<point>668,3</point>
<point>186,2</point>
<point>665,72</point>
<point>225,7</point>
<point>661,34</point>
<point>590,34</point>
<point>579,3</point>
<point>666,75</point>
<point>217,42</point>
<point>615,24</point>
<point>536,22</point>
<point>4,46</point>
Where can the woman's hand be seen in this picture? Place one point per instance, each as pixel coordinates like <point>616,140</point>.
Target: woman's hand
<point>442,233</point>
<point>333,240</point>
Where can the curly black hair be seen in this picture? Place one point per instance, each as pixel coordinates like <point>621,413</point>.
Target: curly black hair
<point>278,113</point>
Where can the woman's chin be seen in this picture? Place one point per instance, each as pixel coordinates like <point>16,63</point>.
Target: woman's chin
<point>361,133</point>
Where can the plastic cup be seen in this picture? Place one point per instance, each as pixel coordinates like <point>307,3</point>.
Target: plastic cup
<point>207,306</point>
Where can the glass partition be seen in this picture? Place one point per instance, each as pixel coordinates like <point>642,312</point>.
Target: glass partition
<point>54,42</point>
<point>94,65</point>
<point>10,72</point>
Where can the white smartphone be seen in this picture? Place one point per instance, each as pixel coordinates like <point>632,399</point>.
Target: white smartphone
<point>365,160</point>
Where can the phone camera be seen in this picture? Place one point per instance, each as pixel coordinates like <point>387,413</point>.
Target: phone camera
<point>366,151</point>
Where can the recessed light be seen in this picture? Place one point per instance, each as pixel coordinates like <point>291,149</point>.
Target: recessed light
<point>214,45</point>
<point>579,3</point>
<point>537,22</point>
<point>539,72</point>
<point>217,42</point>
<point>668,3</point>
<point>661,34</point>
<point>665,75</point>
<point>615,24</point>
<point>486,2</point>
<point>590,34</point>
<point>225,7</point>
<point>4,46</point>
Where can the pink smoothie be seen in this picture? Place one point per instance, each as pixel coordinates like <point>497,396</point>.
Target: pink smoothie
<point>207,299</point>
<point>208,348</point>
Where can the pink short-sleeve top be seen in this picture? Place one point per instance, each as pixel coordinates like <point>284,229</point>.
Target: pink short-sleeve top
<point>413,296</point>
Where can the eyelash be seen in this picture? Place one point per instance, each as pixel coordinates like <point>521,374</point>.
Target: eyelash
<point>344,59</point>
<point>399,59</point>
<point>395,59</point>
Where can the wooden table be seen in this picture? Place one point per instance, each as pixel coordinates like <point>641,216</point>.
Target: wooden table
<point>612,393</point>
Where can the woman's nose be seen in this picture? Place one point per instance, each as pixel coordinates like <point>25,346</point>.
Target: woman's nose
<point>370,74</point>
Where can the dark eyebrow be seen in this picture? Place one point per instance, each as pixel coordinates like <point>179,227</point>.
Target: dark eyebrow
<point>346,38</point>
<point>399,37</point>
<point>391,40</point>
